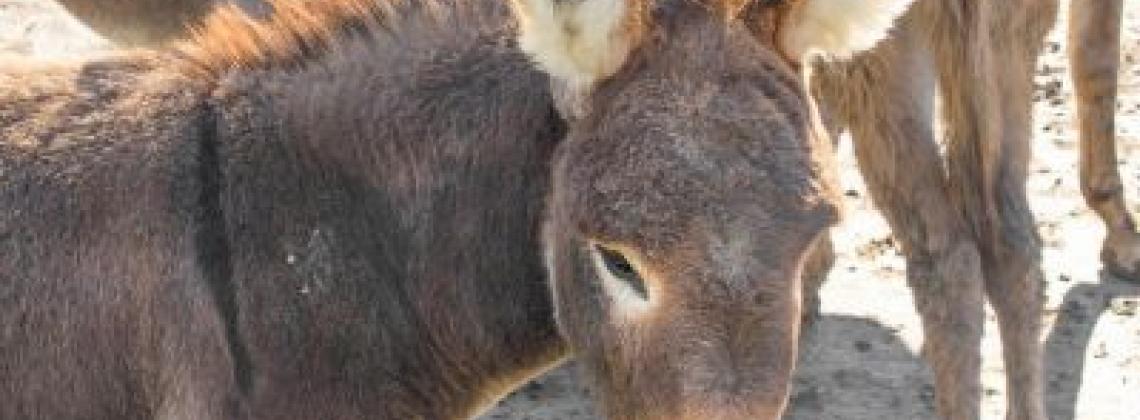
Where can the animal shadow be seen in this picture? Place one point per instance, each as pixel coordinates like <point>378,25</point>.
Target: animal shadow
<point>850,368</point>
<point>1067,345</point>
<point>853,368</point>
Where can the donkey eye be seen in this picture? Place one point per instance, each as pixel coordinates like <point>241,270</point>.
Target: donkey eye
<point>620,268</point>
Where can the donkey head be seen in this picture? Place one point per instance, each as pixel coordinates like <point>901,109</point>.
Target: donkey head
<point>688,192</point>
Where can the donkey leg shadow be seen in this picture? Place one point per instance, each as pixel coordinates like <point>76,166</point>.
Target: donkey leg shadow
<point>1067,346</point>
<point>853,368</point>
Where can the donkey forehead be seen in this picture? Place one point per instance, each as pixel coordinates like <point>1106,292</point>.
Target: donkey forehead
<point>691,50</point>
<point>705,103</point>
<point>700,135</point>
<point>647,182</point>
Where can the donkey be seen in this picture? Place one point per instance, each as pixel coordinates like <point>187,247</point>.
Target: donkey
<point>1094,74</point>
<point>985,240</point>
<point>964,222</point>
<point>884,97</point>
<point>1095,79</point>
<point>372,209</point>
<point>1094,45</point>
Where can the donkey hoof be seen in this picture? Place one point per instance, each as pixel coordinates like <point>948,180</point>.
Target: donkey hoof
<point>1121,255</point>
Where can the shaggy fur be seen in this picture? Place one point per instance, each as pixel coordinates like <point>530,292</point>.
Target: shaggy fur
<point>335,213</point>
<point>695,205</point>
<point>984,241</point>
<point>1093,75</point>
<point>277,243</point>
<point>301,31</point>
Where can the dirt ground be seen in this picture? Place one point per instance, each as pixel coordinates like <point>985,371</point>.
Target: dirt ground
<point>862,361</point>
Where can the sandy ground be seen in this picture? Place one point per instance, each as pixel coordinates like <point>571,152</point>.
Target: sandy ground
<point>862,361</point>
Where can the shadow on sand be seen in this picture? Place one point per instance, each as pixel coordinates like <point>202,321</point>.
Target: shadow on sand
<point>1069,340</point>
<point>854,368</point>
<point>851,369</point>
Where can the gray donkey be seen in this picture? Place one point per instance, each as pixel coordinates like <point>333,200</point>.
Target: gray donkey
<point>363,209</point>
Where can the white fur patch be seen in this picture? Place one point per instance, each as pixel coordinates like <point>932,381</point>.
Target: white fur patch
<point>575,41</point>
<point>548,259</point>
<point>838,28</point>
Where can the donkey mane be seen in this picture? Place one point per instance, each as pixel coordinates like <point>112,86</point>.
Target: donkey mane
<point>299,32</point>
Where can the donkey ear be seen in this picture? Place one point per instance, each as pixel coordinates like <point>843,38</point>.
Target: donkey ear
<point>838,28</point>
<point>579,41</point>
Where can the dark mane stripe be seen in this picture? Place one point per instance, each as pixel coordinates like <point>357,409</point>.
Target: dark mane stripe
<point>296,32</point>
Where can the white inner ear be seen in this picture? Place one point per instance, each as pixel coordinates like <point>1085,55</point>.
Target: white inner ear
<point>838,28</point>
<point>575,41</point>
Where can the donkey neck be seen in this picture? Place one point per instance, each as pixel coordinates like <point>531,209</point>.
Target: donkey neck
<point>384,207</point>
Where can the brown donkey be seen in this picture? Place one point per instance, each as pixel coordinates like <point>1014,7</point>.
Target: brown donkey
<point>338,212</point>
<point>964,222</point>
<point>983,59</point>
<point>1094,74</point>
<point>1094,45</point>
